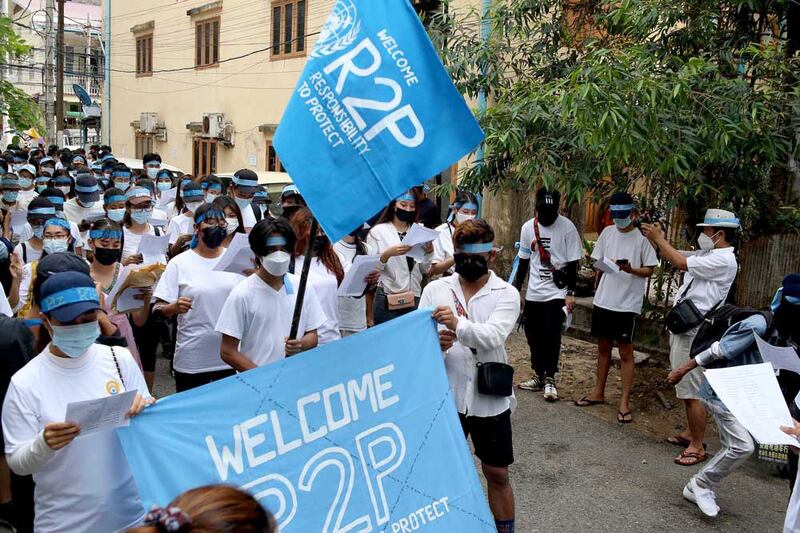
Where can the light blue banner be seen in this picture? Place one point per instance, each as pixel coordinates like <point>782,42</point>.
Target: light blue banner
<point>359,435</point>
<point>374,113</point>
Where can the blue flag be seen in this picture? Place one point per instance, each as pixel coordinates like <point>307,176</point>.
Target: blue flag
<point>359,435</point>
<point>374,113</point>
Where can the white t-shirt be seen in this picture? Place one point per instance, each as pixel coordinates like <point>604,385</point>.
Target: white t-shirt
<point>192,276</point>
<point>25,197</point>
<point>87,485</point>
<point>182,224</point>
<point>395,277</point>
<point>352,311</point>
<point>5,307</point>
<point>443,246</point>
<point>77,213</point>
<point>713,273</point>
<point>623,292</point>
<point>792,522</point>
<point>561,239</point>
<point>31,254</point>
<point>132,240</point>
<point>261,317</point>
<point>326,287</point>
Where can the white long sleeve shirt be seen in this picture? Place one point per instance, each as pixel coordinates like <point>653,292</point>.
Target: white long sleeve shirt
<point>396,275</point>
<point>490,317</point>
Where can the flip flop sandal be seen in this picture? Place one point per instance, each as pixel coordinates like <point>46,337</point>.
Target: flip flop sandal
<point>622,417</point>
<point>678,440</point>
<point>586,402</point>
<point>690,458</point>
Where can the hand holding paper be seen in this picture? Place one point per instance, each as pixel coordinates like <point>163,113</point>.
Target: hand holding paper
<point>417,237</point>
<point>354,281</point>
<point>101,414</point>
<point>238,257</point>
<point>153,249</point>
<point>607,266</point>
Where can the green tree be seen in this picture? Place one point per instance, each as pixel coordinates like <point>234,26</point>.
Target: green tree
<point>700,97</point>
<point>23,111</point>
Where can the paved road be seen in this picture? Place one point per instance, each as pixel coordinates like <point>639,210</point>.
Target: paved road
<point>577,473</point>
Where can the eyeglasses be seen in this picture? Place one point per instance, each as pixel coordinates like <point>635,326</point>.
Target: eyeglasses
<point>215,223</point>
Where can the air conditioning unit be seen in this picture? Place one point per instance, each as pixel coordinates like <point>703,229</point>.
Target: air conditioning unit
<point>229,135</point>
<point>148,122</point>
<point>161,134</point>
<point>213,125</point>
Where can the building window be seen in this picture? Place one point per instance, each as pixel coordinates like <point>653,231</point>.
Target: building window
<point>144,55</point>
<point>69,60</point>
<point>144,145</point>
<point>288,29</point>
<point>206,44</point>
<point>273,161</point>
<point>204,157</point>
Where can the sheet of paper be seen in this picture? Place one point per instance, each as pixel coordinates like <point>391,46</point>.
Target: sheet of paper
<point>18,221</point>
<point>101,414</point>
<point>127,301</point>
<point>606,265</point>
<point>238,257</point>
<point>157,221</point>
<point>752,394</point>
<point>797,400</point>
<point>782,358</point>
<point>167,197</point>
<point>153,249</point>
<point>353,283</point>
<point>568,319</point>
<point>123,275</point>
<point>418,236</point>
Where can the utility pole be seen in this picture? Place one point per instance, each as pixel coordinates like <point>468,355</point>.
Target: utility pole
<point>107,77</point>
<point>49,79</point>
<point>60,74</point>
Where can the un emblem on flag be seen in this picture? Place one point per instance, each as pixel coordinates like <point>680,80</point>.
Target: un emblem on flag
<point>340,30</point>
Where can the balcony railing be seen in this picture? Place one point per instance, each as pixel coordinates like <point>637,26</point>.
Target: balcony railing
<point>92,84</point>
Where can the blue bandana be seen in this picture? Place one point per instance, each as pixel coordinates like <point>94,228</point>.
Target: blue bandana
<point>114,198</point>
<point>212,213</point>
<point>87,190</point>
<point>120,174</point>
<point>194,193</point>
<point>276,240</point>
<point>42,211</point>
<point>244,182</point>
<point>70,296</point>
<point>105,234</point>
<point>58,222</point>
<point>479,248</point>
<point>137,192</point>
<point>405,197</point>
<point>56,200</point>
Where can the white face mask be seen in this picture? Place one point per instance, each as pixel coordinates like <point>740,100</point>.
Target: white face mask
<point>152,172</point>
<point>192,206</point>
<point>48,170</point>
<point>461,217</point>
<point>64,189</point>
<point>705,242</point>
<point>233,224</point>
<point>276,263</point>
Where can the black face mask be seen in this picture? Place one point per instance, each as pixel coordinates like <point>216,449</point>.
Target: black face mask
<point>471,267</point>
<point>213,237</point>
<point>107,256</point>
<point>546,214</point>
<point>787,321</point>
<point>405,216</point>
<point>289,211</point>
<point>320,243</point>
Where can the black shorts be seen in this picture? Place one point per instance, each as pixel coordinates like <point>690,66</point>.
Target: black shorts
<point>491,436</point>
<point>614,325</point>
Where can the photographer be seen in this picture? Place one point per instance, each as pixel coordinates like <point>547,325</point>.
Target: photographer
<point>710,272</point>
<point>551,247</point>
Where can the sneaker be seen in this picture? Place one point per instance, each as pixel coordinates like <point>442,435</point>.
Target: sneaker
<point>705,499</point>
<point>534,384</point>
<point>550,391</point>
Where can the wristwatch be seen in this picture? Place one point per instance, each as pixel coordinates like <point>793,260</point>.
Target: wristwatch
<point>570,293</point>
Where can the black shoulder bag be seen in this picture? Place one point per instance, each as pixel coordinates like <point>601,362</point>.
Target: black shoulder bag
<point>684,316</point>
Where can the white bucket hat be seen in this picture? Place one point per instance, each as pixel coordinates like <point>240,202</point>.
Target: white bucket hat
<point>719,218</point>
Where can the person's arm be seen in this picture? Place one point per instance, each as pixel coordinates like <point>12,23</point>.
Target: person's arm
<point>440,267</point>
<point>140,316</point>
<point>17,274</point>
<point>178,307</point>
<point>642,272</point>
<point>305,343</point>
<point>522,273</point>
<point>229,351</point>
<point>656,235</point>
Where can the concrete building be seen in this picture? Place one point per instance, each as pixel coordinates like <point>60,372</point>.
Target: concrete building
<point>83,54</point>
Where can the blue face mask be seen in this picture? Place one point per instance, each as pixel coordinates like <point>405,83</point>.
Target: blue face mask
<point>116,214</point>
<point>243,202</point>
<point>38,231</point>
<point>141,216</point>
<point>164,186</point>
<point>40,188</point>
<point>622,223</point>
<point>10,196</point>
<point>75,340</point>
<point>55,246</point>
<point>122,185</point>
<point>25,182</point>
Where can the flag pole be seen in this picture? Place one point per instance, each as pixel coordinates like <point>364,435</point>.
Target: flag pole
<point>301,291</point>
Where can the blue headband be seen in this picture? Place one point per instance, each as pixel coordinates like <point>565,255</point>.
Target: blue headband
<point>211,213</point>
<point>163,172</point>
<point>185,181</point>
<point>87,190</point>
<point>42,211</point>
<point>479,248</point>
<point>69,296</point>
<point>261,194</point>
<point>114,198</point>
<point>290,189</point>
<point>9,181</point>
<point>105,234</point>
<point>57,200</point>
<point>213,186</point>
<point>244,182</point>
<point>405,197</point>
<point>120,174</point>
<point>626,207</point>
<point>42,178</point>
<point>137,192</point>
<point>63,180</point>
<point>715,221</point>
<point>58,222</point>
<point>467,205</point>
<point>191,193</point>
<point>151,161</point>
<point>276,240</point>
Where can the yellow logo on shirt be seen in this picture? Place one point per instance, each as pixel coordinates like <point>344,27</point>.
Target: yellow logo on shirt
<point>113,387</point>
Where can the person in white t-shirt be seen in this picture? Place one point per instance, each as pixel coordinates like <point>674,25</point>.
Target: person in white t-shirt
<point>84,208</point>
<point>464,208</point>
<point>192,290</point>
<point>243,187</point>
<point>550,248</point>
<point>27,192</point>
<point>355,313</point>
<point>183,224</point>
<point>324,275</point>
<point>81,484</point>
<point>40,210</point>
<point>256,320</point>
<point>710,273</point>
<point>619,298</point>
<point>139,210</point>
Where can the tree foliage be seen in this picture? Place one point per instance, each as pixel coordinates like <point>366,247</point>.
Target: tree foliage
<point>23,111</point>
<point>700,97</point>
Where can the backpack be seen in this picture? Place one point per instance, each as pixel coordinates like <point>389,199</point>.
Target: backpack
<point>717,322</point>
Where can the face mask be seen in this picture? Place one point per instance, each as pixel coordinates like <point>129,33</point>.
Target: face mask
<point>40,188</point>
<point>276,263</point>
<point>705,242</point>
<point>10,196</point>
<point>193,206</point>
<point>87,205</point>
<point>152,173</point>
<point>210,197</point>
<point>320,243</point>
<point>48,170</point>
<point>141,216</point>
<point>55,246</point>
<point>122,185</point>
<point>471,267</point>
<point>213,237</point>
<point>16,167</point>
<point>38,231</point>
<point>405,216</point>
<point>64,189</point>
<point>547,214</point>
<point>116,214</point>
<point>164,186</point>
<point>25,182</point>
<point>243,203</point>
<point>75,340</point>
<point>107,256</point>
<point>622,223</point>
<point>461,217</point>
<point>290,210</point>
<point>233,225</point>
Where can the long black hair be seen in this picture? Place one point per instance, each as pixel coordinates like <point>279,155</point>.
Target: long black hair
<point>224,202</point>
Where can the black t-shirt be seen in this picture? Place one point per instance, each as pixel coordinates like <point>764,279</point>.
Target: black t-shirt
<point>16,349</point>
